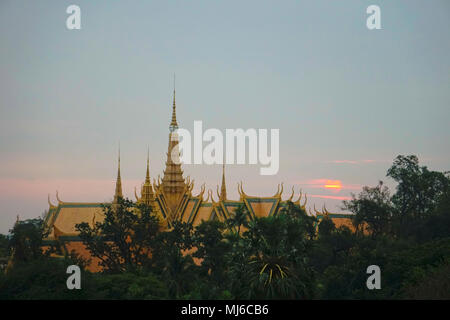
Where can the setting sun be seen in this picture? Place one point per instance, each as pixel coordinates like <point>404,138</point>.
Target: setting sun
<point>333,184</point>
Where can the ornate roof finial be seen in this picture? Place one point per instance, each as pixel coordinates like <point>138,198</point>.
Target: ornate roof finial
<point>299,197</point>
<point>223,189</point>
<point>304,203</point>
<point>49,202</point>
<point>292,194</point>
<point>147,195</point>
<point>118,193</point>
<point>57,197</point>
<point>173,124</point>
<point>147,175</point>
<point>278,191</point>
<point>135,194</point>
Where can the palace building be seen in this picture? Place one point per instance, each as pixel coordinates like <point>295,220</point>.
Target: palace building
<point>172,199</point>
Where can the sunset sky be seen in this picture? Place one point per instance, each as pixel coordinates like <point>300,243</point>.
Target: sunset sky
<point>347,100</point>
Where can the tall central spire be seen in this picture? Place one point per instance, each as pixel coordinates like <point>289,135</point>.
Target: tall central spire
<point>173,183</point>
<point>118,193</point>
<point>173,124</point>
<point>147,175</point>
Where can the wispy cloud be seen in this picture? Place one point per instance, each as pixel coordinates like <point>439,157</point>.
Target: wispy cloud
<point>357,162</point>
<point>329,184</point>
<point>343,161</point>
<point>328,197</point>
<point>69,189</point>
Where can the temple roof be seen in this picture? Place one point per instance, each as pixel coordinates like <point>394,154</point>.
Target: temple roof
<point>62,218</point>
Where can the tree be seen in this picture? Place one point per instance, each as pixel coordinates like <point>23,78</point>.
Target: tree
<point>42,278</point>
<point>26,240</point>
<point>172,261</point>
<point>212,248</point>
<point>123,240</point>
<point>326,227</point>
<point>239,219</point>
<point>372,207</point>
<point>419,189</point>
<point>126,285</point>
<point>4,252</point>
<point>272,263</point>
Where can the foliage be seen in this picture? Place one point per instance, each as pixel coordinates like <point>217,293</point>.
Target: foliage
<point>4,252</point>
<point>27,240</point>
<point>123,239</point>
<point>127,285</point>
<point>373,208</point>
<point>289,255</point>
<point>418,193</point>
<point>270,259</point>
<point>171,261</point>
<point>41,278</point>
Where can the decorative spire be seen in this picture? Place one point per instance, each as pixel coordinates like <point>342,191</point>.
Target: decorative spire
<point>147,176</point>
<point>173,183</point>
<point>118,193</point>
<point>223,189</point>
<point>147,195</point>
<point>173,124</point>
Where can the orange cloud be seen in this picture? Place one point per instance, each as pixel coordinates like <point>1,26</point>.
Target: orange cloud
<point>329,184</point>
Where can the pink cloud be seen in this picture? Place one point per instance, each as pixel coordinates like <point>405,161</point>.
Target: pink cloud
<point>328,197</point>
<point>323,183</point>
<point>70,190</point>
<point>344,161</point>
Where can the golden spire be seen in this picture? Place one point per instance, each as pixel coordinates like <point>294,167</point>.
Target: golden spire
<point>173,124</point>
<point>173,183</point>
<point>147,176</point>
<point>147,195</point>
<point>118,193</point>
<point>223,189</point>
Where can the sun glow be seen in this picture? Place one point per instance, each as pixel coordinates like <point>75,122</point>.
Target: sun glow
<point>333,184</point>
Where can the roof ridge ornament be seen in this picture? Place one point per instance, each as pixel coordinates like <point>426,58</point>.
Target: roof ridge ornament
<point>299,197</point>
<point>304,204</point>
<point>325,211</point>
<point>315,210</point>
<point>209,197</point>
<point>278,191</point>
<point>292,194</point>
<point>49,202</point>
<point>57,197</point>
<point>242,190</point>
<point>135,194</point>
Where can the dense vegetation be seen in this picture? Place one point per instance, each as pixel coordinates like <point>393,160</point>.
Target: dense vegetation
<point>287,256</point>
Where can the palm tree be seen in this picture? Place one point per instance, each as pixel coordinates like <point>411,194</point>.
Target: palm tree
<point>239,219</point>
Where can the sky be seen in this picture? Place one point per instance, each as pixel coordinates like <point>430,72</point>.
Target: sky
<point>347,100</point>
